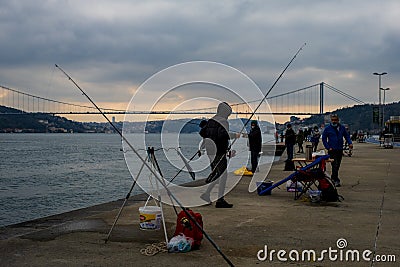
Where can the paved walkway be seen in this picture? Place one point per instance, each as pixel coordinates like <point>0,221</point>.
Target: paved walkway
<point>367,219</point>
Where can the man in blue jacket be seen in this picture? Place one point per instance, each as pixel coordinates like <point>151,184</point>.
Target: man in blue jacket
<point>332,138</point>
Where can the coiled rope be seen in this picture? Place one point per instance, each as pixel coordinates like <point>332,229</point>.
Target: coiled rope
<point>153,249</point>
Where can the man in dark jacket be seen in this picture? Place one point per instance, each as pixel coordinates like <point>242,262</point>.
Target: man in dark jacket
<point>290,140</point>
<point>216,137</point>
<point>300,140</point>
<point>315,138</point>
<point>255,142</point>
<point>332,138</point>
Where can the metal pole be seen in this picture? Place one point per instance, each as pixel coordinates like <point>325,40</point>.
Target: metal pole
<point>380,120</point>
<point>383,107</point>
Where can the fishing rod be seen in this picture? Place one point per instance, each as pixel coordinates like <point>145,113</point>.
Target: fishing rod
<point>269,91</point>
<point>258,106</point>
<point>187,166</point>
<point>195,123</point>
<point>151,170</point>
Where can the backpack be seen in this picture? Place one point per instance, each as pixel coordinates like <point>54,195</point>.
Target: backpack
<point>328,191</point>
<point>217,133</point>
<point>186,226</point>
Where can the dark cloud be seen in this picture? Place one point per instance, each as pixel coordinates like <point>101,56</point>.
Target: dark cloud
<point>111,45</point>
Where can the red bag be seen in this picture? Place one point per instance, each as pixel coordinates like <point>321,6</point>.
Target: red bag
<point>184,225</point>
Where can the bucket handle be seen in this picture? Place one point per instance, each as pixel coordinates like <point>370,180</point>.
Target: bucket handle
<point>147,201</point>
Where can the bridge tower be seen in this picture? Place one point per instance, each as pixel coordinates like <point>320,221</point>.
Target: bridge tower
<point>321,98</point>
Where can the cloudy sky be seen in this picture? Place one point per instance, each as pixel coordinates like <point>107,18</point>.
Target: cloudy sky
<point>111,47</point>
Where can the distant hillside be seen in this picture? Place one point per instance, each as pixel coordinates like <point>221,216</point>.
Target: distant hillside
<point>192,126</point>
<point>358,117</point>
<point>36,123</point>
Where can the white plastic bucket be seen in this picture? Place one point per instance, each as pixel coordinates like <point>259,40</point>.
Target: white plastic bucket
<point>150,217</point>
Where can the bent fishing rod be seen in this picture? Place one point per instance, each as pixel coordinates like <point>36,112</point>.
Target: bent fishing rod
<point>270,89</point>
<point>258,106</point>
<point>156,175</point>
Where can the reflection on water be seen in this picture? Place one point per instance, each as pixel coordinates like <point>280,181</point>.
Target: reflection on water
<point>46,174</point>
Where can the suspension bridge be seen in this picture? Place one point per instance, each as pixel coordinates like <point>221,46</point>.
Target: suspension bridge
<point>309,100</point>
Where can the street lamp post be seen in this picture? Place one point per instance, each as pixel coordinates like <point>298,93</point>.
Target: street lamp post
<point>383,107</point>
<point>379,91</point>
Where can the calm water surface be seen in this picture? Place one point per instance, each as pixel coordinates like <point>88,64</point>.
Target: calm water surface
<point>47,174</point>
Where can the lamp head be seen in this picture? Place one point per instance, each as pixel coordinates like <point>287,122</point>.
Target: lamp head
<point>383,73</point>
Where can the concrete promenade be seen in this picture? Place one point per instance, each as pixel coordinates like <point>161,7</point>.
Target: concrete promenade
<point>368,219</point>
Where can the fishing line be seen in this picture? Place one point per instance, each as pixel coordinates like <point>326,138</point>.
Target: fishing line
<point>255,110</point>
<point>151,170</point>
<point>186,163</point>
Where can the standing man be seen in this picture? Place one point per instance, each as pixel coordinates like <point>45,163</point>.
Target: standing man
<point>300,140</point>
<point>216,138</point>
<point>255,143</point>
<point>315,138</point>
<point>332,138</point>
<point>290,141</point>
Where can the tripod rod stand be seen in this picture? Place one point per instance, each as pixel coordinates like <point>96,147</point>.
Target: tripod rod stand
<point>153,160</point>
<point>123,204</point>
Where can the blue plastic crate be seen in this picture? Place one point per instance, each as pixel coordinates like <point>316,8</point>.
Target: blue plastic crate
<point>261,186</point>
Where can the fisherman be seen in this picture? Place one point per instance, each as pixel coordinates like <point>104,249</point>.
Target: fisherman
<point>315,138</point>
<point>255,144</point>
<point>332,138</point>
<point>290,140</point>
<point>216,139</point>
<point>299,140</point>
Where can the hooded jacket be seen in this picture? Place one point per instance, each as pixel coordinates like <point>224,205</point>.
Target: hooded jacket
<point>217,129</point>
<point>290,136</point>
<point>255,139</point>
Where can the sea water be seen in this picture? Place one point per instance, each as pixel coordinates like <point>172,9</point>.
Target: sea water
<point>47,174</point>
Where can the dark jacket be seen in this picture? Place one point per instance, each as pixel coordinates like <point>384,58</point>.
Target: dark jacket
<point>255,139</point>
<point>290,137</point>
<point>300,137</point>
<point>315,136</point>
<point>217,129</point>
<point>332,137</point>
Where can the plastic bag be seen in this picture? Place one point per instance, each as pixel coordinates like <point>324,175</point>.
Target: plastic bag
<point>294,186</point>
<point>314,195</point>
<point>180,243</point>
<point>243,171</point>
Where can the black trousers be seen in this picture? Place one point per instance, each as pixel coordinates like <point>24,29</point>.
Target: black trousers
<point>254,160</point>
<point>300,147</point>
<point>336,155</point>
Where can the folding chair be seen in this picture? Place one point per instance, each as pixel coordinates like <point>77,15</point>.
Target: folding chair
<point>307,175</point>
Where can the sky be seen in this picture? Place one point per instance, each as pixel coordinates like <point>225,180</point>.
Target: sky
<point>110,48</point>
